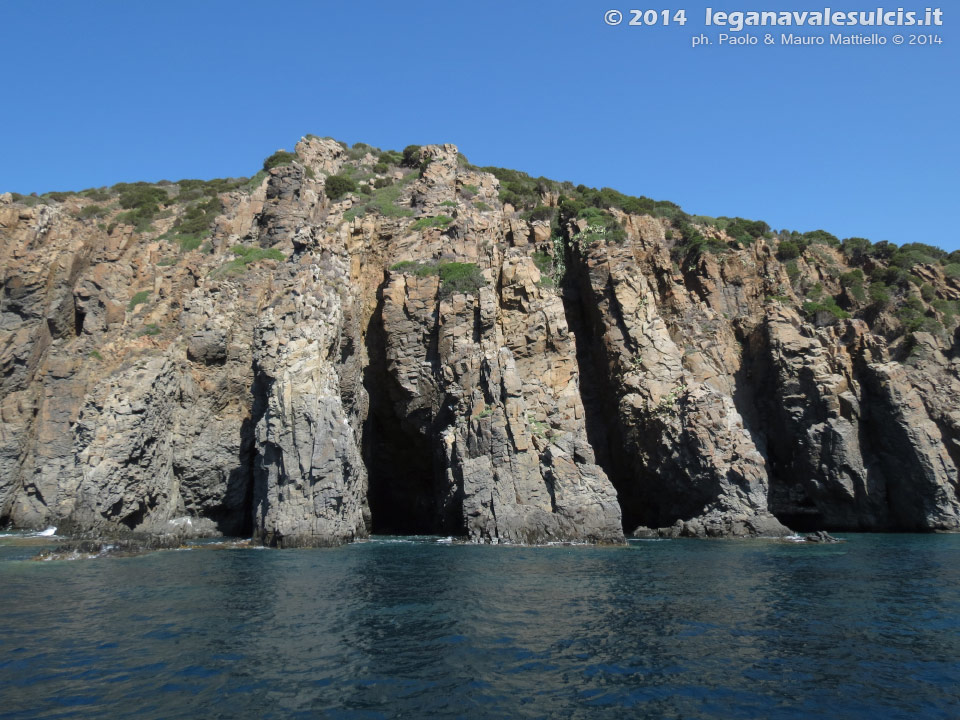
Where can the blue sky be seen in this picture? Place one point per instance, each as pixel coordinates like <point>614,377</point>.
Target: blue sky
<point>856,140</point>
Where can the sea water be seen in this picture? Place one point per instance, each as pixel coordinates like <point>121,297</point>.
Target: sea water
<point>422,628</point>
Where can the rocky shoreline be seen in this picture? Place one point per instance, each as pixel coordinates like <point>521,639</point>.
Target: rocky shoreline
<point>418,355</point>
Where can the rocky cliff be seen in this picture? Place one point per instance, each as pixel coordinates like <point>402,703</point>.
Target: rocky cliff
<point>358,341</point>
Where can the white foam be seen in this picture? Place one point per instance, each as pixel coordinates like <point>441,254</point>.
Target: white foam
<point>49,532</point>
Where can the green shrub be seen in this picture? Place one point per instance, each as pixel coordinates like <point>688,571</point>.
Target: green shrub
<point>280,157</point>
<point>142,202</point>
<point>198,218</point>
<point>884,250</point>
<point>948,308</point>
<point>139,220</point>
<point>518,188</point>
<point>853,281</point>
<point>793,271</point>
<point>913,318</point>
<point>879,294</point>
<point>820,237</point>
<point>142,196</point>
<point>247,255</point>
<point>544,262</point>
<point>743,231</point>
<point>857,249</point>
<point>149,329</point>
<point>167,261</point>
<point>927,292</point>
<point>541,212</point>
<point>420,269</point>
<point>384,201</point>
<point>691,243</point>
<point>339,185</point>
<point>381,167</point>
<point>482,206</point>
<point>600,225</point>
<point>254,182</point>
<point>549,271</point>
<point>390,157</point>
<point>952,270</point>
<point>893,276</point>
<point>252,254</point>
<point>828,305</point>
<point>431,222</point>
<point>457,277</point>
<point>188,243</point>
<point>96,194</point>
<point>191,189</point>
<point>411,156</point>
<point>95,354</point>
<point>91,211</point>
<point>58,196</point>
<point>912,254</point>
<point>788,250</point>
<point>138,299</point>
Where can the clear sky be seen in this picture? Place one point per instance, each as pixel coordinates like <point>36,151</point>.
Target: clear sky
<point>857,140</point>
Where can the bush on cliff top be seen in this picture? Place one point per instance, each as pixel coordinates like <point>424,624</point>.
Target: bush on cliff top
<point>280,157</point>
<point>788,250</point>
<point>411,156</point>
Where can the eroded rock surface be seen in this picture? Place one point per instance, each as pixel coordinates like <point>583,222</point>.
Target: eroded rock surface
<point>411,358</point>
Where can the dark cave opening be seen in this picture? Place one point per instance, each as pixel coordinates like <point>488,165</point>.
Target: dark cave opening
<point>398,449</point>
<point>78,318</point>
<point>755,398</point>
<point>598,397</point>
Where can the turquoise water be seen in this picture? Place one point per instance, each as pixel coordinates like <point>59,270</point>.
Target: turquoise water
<point>417,628</point>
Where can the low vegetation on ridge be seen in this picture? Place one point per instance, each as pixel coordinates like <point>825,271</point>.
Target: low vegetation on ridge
<point>829,279</point>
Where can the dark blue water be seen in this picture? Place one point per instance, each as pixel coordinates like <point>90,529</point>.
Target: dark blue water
<point>420,629</point>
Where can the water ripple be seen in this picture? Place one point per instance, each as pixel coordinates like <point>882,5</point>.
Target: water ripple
<point>413,627</point>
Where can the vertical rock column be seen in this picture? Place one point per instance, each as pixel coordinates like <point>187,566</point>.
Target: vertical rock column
<point>310,482</point>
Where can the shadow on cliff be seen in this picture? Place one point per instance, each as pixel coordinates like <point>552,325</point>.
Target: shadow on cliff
<point>398,445</point>
<point>598,396</point>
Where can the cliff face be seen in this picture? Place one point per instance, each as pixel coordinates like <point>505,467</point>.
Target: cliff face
<point>420,358</point>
